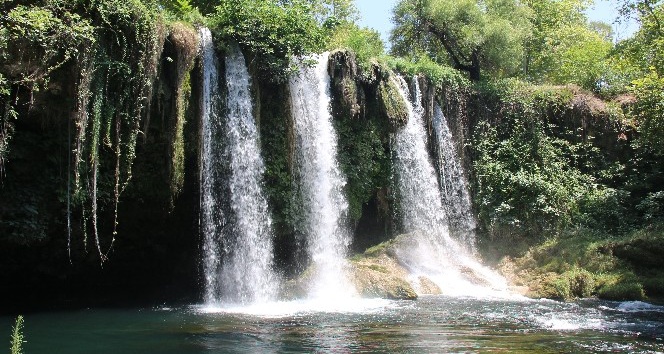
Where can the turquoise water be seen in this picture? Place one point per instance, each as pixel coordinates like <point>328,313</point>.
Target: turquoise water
<point>433,324</point>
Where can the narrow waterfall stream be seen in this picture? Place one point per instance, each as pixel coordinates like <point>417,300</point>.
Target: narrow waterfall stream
<point>432,253</point>
<point>453,183</point>
<point>212,217</point>
<point>239,262</point>
<point>321,180</point>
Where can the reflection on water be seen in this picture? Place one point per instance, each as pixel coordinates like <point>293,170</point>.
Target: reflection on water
<point>431,324</point>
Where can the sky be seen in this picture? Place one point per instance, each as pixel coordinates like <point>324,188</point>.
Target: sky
<point>377,14</point>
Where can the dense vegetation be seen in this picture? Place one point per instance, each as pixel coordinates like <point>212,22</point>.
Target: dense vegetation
<point>564,124</point>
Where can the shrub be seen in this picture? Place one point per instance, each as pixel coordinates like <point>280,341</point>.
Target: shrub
<point>273,32</point>
<point>622,291</point>
<point>364,42</point>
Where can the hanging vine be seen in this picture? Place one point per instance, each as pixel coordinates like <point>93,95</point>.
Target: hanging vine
<point>115,85</point>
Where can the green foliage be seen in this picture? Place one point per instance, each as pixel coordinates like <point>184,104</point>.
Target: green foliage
<point>123,65</point>
<point>577,55</point>
<point>35,40</point>
<point>524,176</point>
<point>622,291</point>
<point>604,208</point>
<point>575,283</point>
<point>363,160</point>
<point>17,336</point>
<point>564,47</point>
<point>334,12</point>
<point>270,30</point>
<point>652,207</point>
<point>423,65</point>
<point>534,171</point>
<point>364,42</point>
<point>185,10</point>
<point>468,34</point>
<point>647,111</point>
<point>181,7</point>
<point>40,38</point>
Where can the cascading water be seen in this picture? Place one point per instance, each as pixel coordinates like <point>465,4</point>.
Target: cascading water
<point>321,180</point>
<point>211,214</point>
<point>432,252</point>
<point>453,183</point>
<point>240,272</point>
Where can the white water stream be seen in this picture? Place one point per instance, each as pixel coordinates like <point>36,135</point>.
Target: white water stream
<point>321,181</point>
<point>453,183</point>
<point>432,252</point>
<point>238,247</point>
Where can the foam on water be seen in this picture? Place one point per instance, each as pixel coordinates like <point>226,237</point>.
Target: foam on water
<point>279,309</point>
<point>639,306</point>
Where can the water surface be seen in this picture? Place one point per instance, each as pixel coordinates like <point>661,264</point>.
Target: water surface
<point>433,324</point>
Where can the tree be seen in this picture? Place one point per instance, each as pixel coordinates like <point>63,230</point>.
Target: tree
<point>471,35</point>
<point>272,30</point>
<point>643,57</point>
<point>564,47</point>
<point>334,12</point>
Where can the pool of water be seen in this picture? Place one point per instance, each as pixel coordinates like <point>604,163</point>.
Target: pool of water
<point>432,324</point>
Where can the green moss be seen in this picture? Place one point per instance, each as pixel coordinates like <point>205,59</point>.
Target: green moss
<point>622,291</point>
<point>653,283</point>
<point>582,263</point>
<point>185,42</point>
<point>378,268</point>
<point>423,65</point>
<point>577,283</point>
<point>392,104</point>
<point>378,249</point>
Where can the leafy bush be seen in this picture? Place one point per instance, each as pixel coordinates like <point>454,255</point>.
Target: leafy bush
<point>272,31</point>
<point>576,283</point>
<point>524,178</point>
<point>604,208</point>
<point>647,111</point>
<point>364,42</point>
<point>437,73</point>
<point>652,207</point>
<point>622,291</point>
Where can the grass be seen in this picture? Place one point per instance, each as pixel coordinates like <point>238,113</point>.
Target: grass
<point>583,263</point>
<point>17,336</point>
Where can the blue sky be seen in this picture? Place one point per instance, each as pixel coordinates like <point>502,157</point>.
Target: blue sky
<point>376,14</point>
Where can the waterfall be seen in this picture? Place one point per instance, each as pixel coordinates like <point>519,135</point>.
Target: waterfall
<point>238,246</point>
<point>212,217</point>
<point>322,183</point>
<point>432,252</point>
<point>453,183</point>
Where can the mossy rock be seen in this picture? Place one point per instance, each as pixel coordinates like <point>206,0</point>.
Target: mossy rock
<point>381,277</point>
<point>622,291</point>
<point>343,72</point>
<point>577,283</point>
<point>392,104</point>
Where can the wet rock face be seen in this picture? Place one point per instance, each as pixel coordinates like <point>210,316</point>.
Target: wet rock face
<point>381,277</point>
<point>392,104</point>
<point>350,97</point>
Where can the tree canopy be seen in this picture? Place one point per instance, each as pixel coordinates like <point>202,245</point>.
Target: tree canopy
<point>542,40</point>
<point>468,34</point>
